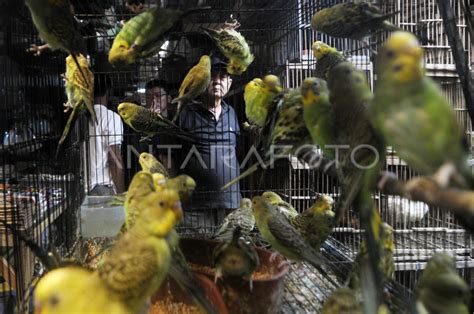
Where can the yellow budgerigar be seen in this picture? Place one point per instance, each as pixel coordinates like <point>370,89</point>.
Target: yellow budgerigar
<point>79,91</point>
<point>183,184</point>
<point>140,187</point>
<point>150,164</point>
<point>258,96</point>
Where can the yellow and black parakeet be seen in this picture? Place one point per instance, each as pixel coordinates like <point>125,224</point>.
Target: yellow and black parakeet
<point>235,258</point>
<point>73,288</point>
<point>351,20</point>
<point>150,164</point>
<point>79,91</point>
<point>234,47</point>
<point>241,217</point>
<point>282,236</point>
<point>140,259</point>
<point>144,34</point>
<point>258,96</point>
<point>194,84</point>
<point>315,223</point>
<point>342,301</point>
<point>440,288</point>
<point>284,208</point>
<point>183,184</point>
<point>319,114</point>
<point>326,58</point>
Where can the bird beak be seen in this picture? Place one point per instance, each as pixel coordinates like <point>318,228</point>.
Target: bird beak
<point>37,307</point>
<point>178,210</point>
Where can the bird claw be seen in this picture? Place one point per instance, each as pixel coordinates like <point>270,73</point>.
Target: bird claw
<point>37,50</point>
<point>145,138</point>
<point>273,257</point>
<point>217,276</point>
<point>446,174</point>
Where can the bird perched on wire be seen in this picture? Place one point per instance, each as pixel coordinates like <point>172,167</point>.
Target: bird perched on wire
<point>79,92</point>
<point>241,217</point>
<point>412,114</point>
<point>284,208</point>
<point>150,164</point>
<point>73,287</point>
<point>151,123</point>
<point>234,47</point>
<point>235,258</point>
<point>282,236</point>
<point>326,58</point>
<point>315,223</point>
<point>144,34</point>
<point>342,300</point>
<point>284,133</point>
<point>352,20</point>
<point>194,84</point>
<point>319,114</point>
<point>440,288</point>
<point>140,259</point>
<point>54,20</point>
<point>258,96</point>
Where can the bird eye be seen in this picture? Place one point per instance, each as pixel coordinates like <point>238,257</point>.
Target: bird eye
<point>54,300</point>
<point>161,204</point>
<point>398,68</point>
<point>315,83</point>
<point>390,54</point>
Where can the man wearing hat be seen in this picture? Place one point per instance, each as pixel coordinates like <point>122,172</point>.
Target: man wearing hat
<point>213,161</point>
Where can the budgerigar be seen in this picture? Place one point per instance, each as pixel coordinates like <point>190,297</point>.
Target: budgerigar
<point>194,84</point>
<point>143,35</point>
<point>284,208</point>
<point>241,217</point>
<point>150,164</point>
<point>144,120</point>
<point>351,20</point>
<point>74,288</point>
<point>258,96</point>
<point>54,20</point>
<point>140,187</point>
<point>315,223</point>
<point>234,47</point>
<point>326,58</point>
<point>440,288</point>
<point>183,184</point>
<point>141,257</point>
<point>282,236</point>
<point>79,92</point>
<point>284,133</point>
<point>342,301</point>
<point>235,258</point>
<point>412,114</point>
<point>319,114</point>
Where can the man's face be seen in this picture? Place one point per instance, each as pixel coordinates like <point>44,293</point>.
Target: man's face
<point>157,99</point>
<point>220,84</point>
<point>135,8</point>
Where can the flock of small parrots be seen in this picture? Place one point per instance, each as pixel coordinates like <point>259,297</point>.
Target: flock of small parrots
<point>406,111</point>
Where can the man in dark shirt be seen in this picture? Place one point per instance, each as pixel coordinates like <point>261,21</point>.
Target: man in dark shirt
<point>213,161</point>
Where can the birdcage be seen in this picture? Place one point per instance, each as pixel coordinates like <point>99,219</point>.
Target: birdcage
<point>280,36</point>
<point>40,194</point>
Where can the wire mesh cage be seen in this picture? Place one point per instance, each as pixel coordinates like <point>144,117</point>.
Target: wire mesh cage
<point>41,194</point>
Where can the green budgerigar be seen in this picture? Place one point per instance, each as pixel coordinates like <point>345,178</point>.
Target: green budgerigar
<point>235,258</point>
<point>319,114</point>
<point>241,217</point>
<point>194,84</point>
<point>440,288</point>
<point>140,259</point>
<point>183,184</point>
<point>327,57</point>
<point>258,96</point>
<point>284,208</point>
<point>282,236</point>
<point>412,114</point>
<point>352,20</point>
<point>284,133</point>
<point>143,35</point>
<point>54,20</point>
<point>234,47</point>
<point>315,223</point>
<point>79,92</point>
<point>150,164</point>
<point>342,301</point>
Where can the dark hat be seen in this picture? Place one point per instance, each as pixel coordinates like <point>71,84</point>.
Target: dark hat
<point>157,82</point>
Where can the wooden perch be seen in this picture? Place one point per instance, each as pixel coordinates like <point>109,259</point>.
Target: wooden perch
<point>423,189</point>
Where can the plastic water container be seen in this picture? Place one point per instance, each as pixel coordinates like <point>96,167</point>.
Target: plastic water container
<point>99,219</point>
